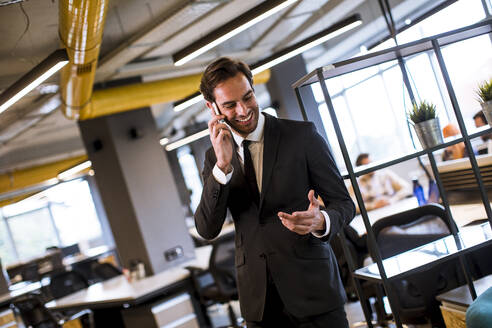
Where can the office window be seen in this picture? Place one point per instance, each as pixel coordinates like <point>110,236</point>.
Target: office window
<point>7,253</point>
<point>371,104</point>
<point>74,212</point>
<point>59,216</point>
<point>190,175</point>
<point>32,232</point>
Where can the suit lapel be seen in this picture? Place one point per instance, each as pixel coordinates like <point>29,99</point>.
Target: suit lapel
<point>271,139</point>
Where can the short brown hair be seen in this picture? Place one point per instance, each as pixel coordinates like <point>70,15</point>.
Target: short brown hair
<point>480,115</point>
<point>219,71</point>
<point>360,158</point>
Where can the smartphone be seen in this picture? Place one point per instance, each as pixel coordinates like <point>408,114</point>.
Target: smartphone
<point>216,111</point>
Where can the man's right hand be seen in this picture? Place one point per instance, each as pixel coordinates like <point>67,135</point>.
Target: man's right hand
<point>221,138</point>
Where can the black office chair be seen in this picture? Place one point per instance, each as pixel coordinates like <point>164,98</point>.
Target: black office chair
<point>415,295</point>
<point>30,272</point>
<point>105,271</point>
<point>34,314</point>
<point>218,284</point>
<point>67,282</point>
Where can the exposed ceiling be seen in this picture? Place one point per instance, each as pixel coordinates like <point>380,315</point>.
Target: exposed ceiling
<point>139,39</point>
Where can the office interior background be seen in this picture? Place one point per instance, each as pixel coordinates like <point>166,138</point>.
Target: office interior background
<point>138,43</point>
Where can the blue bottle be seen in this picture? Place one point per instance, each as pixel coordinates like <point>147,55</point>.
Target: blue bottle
<point>418,192</point>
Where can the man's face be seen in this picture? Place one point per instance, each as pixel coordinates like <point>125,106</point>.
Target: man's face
<point>236,100</point>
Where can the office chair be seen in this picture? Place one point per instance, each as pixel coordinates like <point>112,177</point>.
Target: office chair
<point>415,295</point>
<point>105,271</point>
<point>218,284</point>
<point>65,283</point>
<point>357,248</point>
<point>34,314</point>
<point>30,272</point>
<point>70,250</point>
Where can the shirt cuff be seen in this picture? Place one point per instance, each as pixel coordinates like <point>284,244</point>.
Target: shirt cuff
<point>220,176</point>
<point>328,225</point>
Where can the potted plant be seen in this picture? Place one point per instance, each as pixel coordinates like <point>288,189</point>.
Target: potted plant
<point>484,93</point>
<point>426,124</point>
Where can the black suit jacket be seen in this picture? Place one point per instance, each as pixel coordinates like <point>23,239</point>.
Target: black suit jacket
<point>303,267</point>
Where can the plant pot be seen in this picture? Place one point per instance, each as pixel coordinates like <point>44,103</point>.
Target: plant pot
<point>487,111</point>
<point>429,133</point>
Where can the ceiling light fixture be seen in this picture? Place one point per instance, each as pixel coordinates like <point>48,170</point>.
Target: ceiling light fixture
<point>164,141</point>
<point>294,50</point>
<point>227,31</point>
<point>33,78</point>
<point>187,140</point>
<point>188,101</point>
<point>73,170</point>
<point>304,45</point>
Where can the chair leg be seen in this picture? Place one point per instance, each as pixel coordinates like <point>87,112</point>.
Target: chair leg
<point>232,316</point>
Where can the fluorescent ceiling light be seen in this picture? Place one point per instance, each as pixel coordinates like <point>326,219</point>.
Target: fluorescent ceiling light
<point>187,103</point>
<point>187,140</point>
<point>33,78</point>
<point>317,39</point>
<point>294,50</point>
<point>164,141</point>
<point>227,31</point>
<point>73,170</point>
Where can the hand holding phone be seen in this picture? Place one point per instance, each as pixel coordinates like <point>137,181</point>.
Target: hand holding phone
<point>216,111</point>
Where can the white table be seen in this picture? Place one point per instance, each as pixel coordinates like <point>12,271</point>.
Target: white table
<point>26,288</point>
<point>119,291</point>
<point>462,214</point>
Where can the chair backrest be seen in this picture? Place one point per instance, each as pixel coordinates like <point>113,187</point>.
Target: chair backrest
<point>70,250</point>
<point>33,312</point>
<point>415,294</point>
<point>406,230</point>
<point>222,266</point>
<point>65,283</point>
<point>30,271</point>
<point>105,271</point>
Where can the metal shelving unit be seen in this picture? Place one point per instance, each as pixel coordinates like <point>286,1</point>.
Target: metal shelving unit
<point>399,53</point>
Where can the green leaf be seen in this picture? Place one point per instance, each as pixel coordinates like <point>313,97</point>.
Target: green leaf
<point>421,112</point>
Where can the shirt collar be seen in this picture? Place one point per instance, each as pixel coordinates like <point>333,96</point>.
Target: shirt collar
<point>255,136</point>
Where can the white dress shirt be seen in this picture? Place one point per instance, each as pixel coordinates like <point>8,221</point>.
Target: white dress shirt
<point>256,150</point>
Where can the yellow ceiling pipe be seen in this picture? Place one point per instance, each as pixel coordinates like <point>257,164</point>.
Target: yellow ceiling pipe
<point>124,98</point>
<point>81,24</point>
<point>17,180</point>
<point>15,199</point>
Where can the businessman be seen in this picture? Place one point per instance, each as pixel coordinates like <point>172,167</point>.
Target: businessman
<point>268,173</point>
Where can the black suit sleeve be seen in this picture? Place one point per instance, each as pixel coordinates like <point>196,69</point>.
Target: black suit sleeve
<point>327,182</point>
<point>212,210</point>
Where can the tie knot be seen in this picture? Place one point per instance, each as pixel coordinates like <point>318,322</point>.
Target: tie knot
<point>246,143</point>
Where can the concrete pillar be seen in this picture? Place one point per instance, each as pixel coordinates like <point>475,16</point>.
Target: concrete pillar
<point>137,189</point>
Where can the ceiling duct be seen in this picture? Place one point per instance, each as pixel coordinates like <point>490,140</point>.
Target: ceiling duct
<point>81,28</point>
<point>128,97</point>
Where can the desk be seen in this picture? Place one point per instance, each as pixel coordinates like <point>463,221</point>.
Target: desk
<point>405,204</point>
<point>25,288</point>
<point>119,291</point>
<point>471,238</point>
<point>456,301</point>
<point>462,214</point>
<point>461,296</point>
<point>108,298</point>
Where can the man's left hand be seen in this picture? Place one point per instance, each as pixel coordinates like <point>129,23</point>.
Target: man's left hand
<point>304,222</point>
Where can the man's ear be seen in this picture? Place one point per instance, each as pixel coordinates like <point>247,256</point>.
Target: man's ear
<point>209,105</point>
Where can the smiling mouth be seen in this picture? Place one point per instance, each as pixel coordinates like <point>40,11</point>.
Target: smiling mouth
<point>246,120</point>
